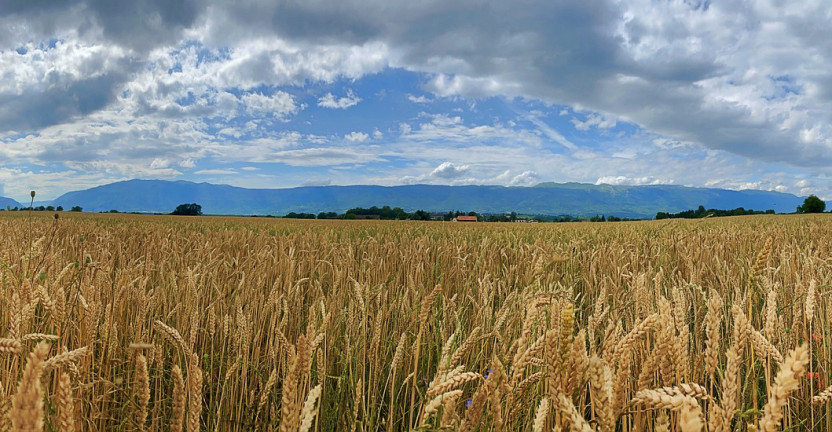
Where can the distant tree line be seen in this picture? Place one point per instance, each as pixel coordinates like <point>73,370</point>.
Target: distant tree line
<point>42,208</point>
<point>701,212</point>
<point>511,217</point>
<point>375,212</point>
<point>397,213</point>
<point>385,213</point>
<point>603,218</point>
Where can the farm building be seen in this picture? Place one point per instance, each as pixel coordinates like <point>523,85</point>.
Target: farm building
<point>465,219</point>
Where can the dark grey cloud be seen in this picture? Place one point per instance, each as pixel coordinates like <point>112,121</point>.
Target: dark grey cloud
<point>570,41</point>
<point>33,6</point>
<point>140,25</point>
<point>147,23</point>
<point>49,85</point>
<point>324,22</point>
<point>57,104</point>
<point>83,149</point>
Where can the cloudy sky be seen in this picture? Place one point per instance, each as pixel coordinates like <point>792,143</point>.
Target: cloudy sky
<point>265,93</point>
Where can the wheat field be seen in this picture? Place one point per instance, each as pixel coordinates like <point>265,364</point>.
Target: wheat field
<point>121,322</point>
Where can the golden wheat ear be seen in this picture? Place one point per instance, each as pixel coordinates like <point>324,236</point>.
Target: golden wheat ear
<point>27,404</point>
<point>65,417</point>
<point>787,381</point>
<point>142,390</point>
<point>177,420</point>
<point>309,411</point>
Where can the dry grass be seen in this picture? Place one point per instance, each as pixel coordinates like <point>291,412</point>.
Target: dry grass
<point>118,322</point>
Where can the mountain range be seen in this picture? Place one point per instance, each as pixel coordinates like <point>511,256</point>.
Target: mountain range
<point>8,202</point>
<point>574,199</point>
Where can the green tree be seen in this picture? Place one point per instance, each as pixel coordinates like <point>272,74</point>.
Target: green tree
<point>421,215</point>
<point>812,204</point>
<point>192,209</point>
<point>77,209</point>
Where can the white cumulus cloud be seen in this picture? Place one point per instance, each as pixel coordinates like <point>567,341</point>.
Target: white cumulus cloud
<point>329,100</point>
<point>356,137</point>
<point>449,171</point>
<point>632,181</point>
<point>280,104</point>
